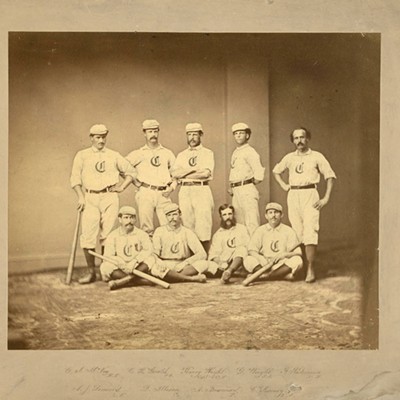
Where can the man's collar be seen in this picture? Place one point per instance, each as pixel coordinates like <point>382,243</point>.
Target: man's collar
<point>199,147</point>
<point>123,233</point>
<point>303,154</point>
<point>95,150</point>
<point>270,228</point>
<point>243,146</point>
<point>146,147</point>
<point>178,228</point>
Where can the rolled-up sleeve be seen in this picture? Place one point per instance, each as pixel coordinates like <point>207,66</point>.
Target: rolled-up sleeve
<point>281,166</point>
<point>125,167</point>
<point>76,174</point>
<point>255,162</point>
<point>196,248</point>
<point>325,168</point>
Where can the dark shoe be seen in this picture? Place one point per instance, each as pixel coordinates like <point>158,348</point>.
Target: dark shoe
<point>89,278</point>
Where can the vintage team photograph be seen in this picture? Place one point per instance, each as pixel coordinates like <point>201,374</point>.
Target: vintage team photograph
<point>202,191</point>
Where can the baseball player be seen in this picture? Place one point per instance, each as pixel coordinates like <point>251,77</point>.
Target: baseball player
<point>130,247</point>
<point>246,171</point>
<point>179,251</point>
<point>305,167</point>
<point>274,242</point>
<point>153,163</point>
<point>95,179</point>
<point>228,245</point>
<point>194,169</point>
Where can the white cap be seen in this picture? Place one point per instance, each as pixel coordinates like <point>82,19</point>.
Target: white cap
<point>273,206</point>
<point>171,207</point>
<point>127,210</point>
<point>98,129</point>
<point>240,126</point>
<point>150,124</point>
<point>194,127</point>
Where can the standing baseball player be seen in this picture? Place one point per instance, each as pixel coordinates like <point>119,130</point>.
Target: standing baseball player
<point>274,242</point>
<point>305,167</point>
<point>153,163</point>
<point>246,171</point>
<point>95,179</point>
<point>228,245</point>
<point>130,247</point>
<point>194,169</point>
<point>179,251</point>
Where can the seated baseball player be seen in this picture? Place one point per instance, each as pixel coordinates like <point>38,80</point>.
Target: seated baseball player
<point>228,246</point>
<point>130,248</point>
<point>274,243</point>
<point>178,250</point>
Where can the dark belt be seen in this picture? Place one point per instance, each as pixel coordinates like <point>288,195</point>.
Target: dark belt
<point>105,190</point>
<point>153,187</point>
<point>312,186</point>
<point>194,183</point>
<point>241,183</point>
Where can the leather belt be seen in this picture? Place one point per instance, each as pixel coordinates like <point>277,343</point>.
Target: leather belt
<point>194,183</point>
<point>312,186</point>
<point>153,187</point>
<point>105,190</point>
<point>241,183</point>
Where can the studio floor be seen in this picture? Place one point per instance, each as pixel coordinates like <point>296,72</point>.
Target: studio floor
<point>44,313</point>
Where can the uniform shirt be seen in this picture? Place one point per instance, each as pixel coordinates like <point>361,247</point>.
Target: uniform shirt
<point>129,246</point>
<point>152,165</point>
<point>225,241</point>
<point>245,164</point>
<point>269,241</point>
<point>96,169</point>
<point>304,169</point>
<point>179,244</point>
<point>197,158</point>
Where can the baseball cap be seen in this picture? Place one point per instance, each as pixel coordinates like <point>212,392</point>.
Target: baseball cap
<point>240,126</point>
<point>194,127</point>
<point>98,129</point>
<point>150,124</point>
<point>273,206</point>
<point>127,210</point>
<point>170,208</point>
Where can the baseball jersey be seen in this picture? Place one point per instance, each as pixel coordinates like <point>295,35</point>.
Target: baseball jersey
<point>304,168</point>
<point>152,165</point>
<point>179,244</point>
<point>269,241</point>
<point>245,164</point>
<point>225,241</point>
<point>97,169</point>
<point>129,246</point>
<point>197,158</point>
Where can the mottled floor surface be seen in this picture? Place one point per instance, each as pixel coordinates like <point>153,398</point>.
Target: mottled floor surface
<point>44,313</point>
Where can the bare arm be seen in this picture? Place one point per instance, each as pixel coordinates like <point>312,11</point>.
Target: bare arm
<point>81,197</point>
<point>324,201</point>
<point>281,182</point>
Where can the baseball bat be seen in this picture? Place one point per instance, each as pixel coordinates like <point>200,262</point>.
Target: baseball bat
<point>73,249</point>
<point>135,272</point>
<point>263,269</point>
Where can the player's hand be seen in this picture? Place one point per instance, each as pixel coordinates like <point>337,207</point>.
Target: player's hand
<point>81,204</point>
<point>230,192</point>
<point>167,191</point>
<point>223,266</point>
<point>131,265</point>
<point>181,266</point>
<point>119,262</point>
<point>286,187</point>
<point>320,203</point>
<point>116,188</point>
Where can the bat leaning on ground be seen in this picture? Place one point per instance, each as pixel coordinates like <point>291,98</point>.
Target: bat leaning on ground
<point>263,269</point>
<point>73,249</point>
<point>135,272</point>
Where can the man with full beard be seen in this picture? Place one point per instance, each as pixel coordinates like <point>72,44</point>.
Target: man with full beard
<point>228,246</point>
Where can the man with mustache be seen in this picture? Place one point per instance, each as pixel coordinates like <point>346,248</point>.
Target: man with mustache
<point>305,167</point>
<point>153,163</point>
<point>274,242</point>
<point>130,247</point>
<point>178,250</point>
<point>194,169</point>
<point>228,245</point>
<point>95,179</point>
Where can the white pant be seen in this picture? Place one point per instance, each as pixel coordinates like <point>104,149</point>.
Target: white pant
<point>100,214</point>
<point>294,263</point>
<point>245,201</point>
<point>197,206</point>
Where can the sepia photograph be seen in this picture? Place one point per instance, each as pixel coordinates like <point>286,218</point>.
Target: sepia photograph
<point>239,171</point>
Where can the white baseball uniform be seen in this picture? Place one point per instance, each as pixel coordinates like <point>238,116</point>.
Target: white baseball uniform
<point>304,172</point>
<point>153,169</point>
<point>268,242</point>
<point>195,198</point>
<point>97,170</point>
<point>176,248</point>
<point>246,166</point>
<point>226,245</point>
<point>135,245</point>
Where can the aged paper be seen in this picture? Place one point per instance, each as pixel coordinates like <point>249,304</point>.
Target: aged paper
<point>218,374</point>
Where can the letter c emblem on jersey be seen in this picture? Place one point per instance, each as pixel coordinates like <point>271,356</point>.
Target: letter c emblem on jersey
<point>231,242</point>
<point>128,250</point>
<point>274,246</point>
<point>193,161</point>
<point>175,248</point>
<point>155,161</point>
<point>100,166</point>
<point>299,168</point>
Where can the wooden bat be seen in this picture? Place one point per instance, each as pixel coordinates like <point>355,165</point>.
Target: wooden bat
<point>263,269</point>
<point>135,272</point>
<point>73,249</point>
